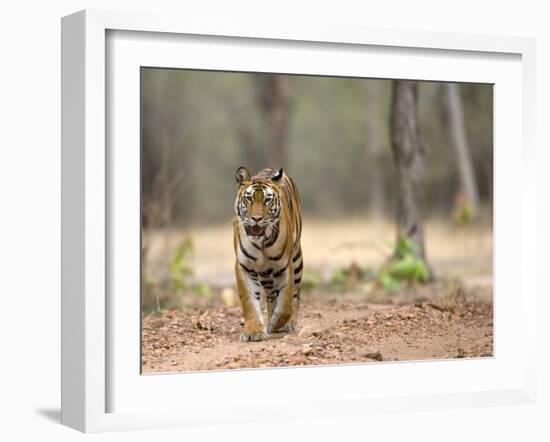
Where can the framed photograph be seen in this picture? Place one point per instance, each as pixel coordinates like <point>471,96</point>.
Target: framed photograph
<point>321,221</point>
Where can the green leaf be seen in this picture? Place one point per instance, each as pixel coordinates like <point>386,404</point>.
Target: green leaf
<point>338,277</point>
<point>403,268</point>
<point>389,283</point>
<point>310,280</point>
<point>421,271</point>
<point>203,289</point>
<point>180,270</point>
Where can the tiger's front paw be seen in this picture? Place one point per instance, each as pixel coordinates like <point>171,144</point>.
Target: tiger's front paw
<point>253,336</point>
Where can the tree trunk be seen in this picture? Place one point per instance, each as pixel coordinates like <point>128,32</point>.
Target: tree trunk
<point>272,98</point>
<point>408,153</point>
<point>464,159</point>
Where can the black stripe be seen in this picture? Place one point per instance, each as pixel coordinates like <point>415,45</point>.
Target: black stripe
<point>299,268</point>
<point>267,272</point>
<point>297,256</point>
<point>298,280</point>
<point>248,255</point>
<point>257,296</point>
<point>266,281</point>
<point>256,245</point>
<point>274,237</point>
<point>278,257</point>
<point>279,273</point>
<point>249,271</point>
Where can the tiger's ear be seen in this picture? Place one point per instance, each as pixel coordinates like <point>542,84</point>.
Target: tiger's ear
<point>242,175</point>
<point>278,175</point>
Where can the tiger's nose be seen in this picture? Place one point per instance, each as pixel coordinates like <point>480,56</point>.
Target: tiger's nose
<point>256,218</point>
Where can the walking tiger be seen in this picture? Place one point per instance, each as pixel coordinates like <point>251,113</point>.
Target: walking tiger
<point>266,237</point>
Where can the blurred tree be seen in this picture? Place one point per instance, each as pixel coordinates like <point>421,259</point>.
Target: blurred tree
<point>460,141</point>
<point>197,127</point>
<point>409,154</point>
<point>249,146</point>
<point>376,197</point>
<point>158,174</point>
<point>273,101</point>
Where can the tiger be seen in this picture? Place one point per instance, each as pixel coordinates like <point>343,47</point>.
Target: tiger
<point>267,227</point>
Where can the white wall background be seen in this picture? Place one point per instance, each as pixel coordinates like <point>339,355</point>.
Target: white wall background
<point>30,214</point>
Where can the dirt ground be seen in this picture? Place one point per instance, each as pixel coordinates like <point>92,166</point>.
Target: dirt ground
<point>452,318</point>
<point>334,328</point>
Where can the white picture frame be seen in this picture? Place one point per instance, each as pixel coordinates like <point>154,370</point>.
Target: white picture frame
<point>89,321</point>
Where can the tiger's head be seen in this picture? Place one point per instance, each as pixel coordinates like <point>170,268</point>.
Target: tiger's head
<point>258,202</point>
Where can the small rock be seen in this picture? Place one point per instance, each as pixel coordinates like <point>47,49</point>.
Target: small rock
<point>307,350</point>
<point>309,331</point>
<point>373,354</point>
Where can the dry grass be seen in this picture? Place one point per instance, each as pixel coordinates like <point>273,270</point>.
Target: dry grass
<point>453,252</point>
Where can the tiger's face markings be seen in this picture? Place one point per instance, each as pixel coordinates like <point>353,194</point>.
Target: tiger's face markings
<point>258,204</point>
<point>258,207</point>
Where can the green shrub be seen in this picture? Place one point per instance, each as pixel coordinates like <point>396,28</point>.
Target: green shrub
<point>349,277</point>
<point>310,280</point>
<point>203,289</point>
<point>180,269</point>
<point>406,266</point>
<point>338,277</point>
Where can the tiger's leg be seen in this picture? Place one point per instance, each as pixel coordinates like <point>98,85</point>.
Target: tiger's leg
<point>298,269</point>
<point>292,323</point>
<point>271,298</point>
<point>271,284</point>
<point>249,294</point>
<point>283,303</point>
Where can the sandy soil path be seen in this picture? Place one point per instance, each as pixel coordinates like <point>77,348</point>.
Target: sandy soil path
<point>332,329</point>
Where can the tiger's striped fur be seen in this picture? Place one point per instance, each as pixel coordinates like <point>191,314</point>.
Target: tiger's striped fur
<point>266,237</point>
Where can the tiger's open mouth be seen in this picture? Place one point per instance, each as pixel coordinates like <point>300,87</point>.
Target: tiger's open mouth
<point>255,230</point>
